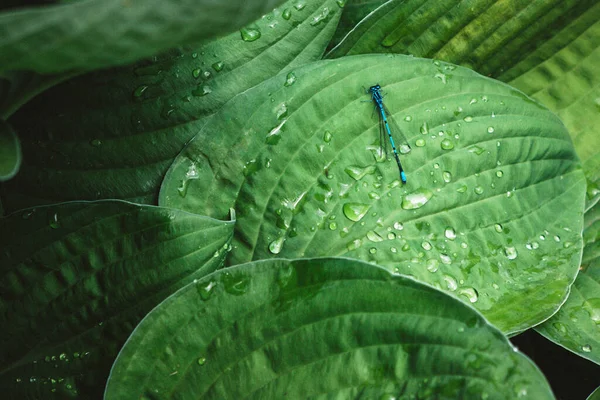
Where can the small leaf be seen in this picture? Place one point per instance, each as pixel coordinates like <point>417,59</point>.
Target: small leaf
<point>318,328</point>
<point>492,215</point>
<point>576,326</point>
<point>83,149</point>
<point>100,33</point>
<point>76,278</point>
<point>10,152</point>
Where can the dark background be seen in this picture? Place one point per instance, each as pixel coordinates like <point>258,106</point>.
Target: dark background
<point>571,377</point>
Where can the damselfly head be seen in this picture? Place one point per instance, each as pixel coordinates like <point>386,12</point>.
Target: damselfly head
<point>375,88</point>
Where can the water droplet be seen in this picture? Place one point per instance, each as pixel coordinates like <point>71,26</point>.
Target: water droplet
<point>374,236</point>
<point>357,173</point>
<point>236,284</point>
<point>432,265</point>
<point>54,224</point>
<point>218,66</point>
<point>299,6</point>
<point>445,259</point>
<point>426,246</point>
<point>450,233</point>
<point>355,211</point>
<point>477,150</point>
<point>276,245</point>
<point>498,228</point>
<point>404,149</point>
<point>450,283</point>
<point>139,91</point>
<point>281,111</point>
<point>353,245</point>
<point>327,136</point>
<point>250,34</point>
<point>417,199</point>
<point>424,129</point>
<point>205,290</point>
<point>332,226</point>
<point>469,293</point>
<point>442,77</point>
<point>372,250</point>
<point>468,119</point>
<point>286,14</point>
<point>478,189</point>
<point>557,238</point>
<point>447,144</point>
<point>201,91</point>
<point>322,17</point>
<point>408,118</point>
<point>420,142</point>
<point>586,347</point>
<point>196,73</point>
<point>191,174</point>
<point>341,3</point>
<point>447,176</point>
<point>274,135</point>
<point>490,129</point>
<point>202,361</point>
<point>96,142</point>
<point>473,101</point>
<point>499,174</point>
<point>510,252</point>
<point>290,79</point>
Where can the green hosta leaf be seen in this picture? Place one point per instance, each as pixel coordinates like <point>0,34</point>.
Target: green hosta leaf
<point>319,328</point>
<point>100,33</point>
<point>10,152</point>
<point>114,134</point>
<point>576,326</point>
<point>493,206</point>
<point>76,279</point>
<point>548,49</point>
<point>568,82</point>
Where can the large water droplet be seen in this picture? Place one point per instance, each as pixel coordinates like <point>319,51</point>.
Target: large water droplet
<point>416,199</point>
<point>510,252</point>
<point>374,236</point>
<point>586,347</point>
<point>469,293</point>
<point>327,136</point>
<point>286,14</point>
<point>447,176</point>
<point>432,265</point>
<point>447,144</point>
<point>201,90</point>
<point>218,66</point>
<point>451,283</point>
<point>322,17</point>
<point>274,136</point>
<point>250,34</point>
<point>426,246</point>
<point>450,233</point>
<point>191,174</point>
<point>357,173</point>
<point>139,91</point>
<point>276,245</point>
<point>290,79</point>
<point>424,129</point>
<point>355,211</point>
<point>420,142</point>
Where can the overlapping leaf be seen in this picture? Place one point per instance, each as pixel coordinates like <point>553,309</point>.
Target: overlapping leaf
<point>318,328</point>
<point>76,279</point>
<point>99,33</point>
<point>492,211</point>
<point>113,134</point>
<point>576,326</point>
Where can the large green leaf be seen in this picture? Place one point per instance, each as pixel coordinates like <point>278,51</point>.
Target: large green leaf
<point>548,49</point>
<point>114,134</point>
<point>10,152</point>
<point>318,328</point>
<point>100,33</point>
<point>493,206</point>
<point>76,278</point>
<point>576,326</point>
<point>595,395</point>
